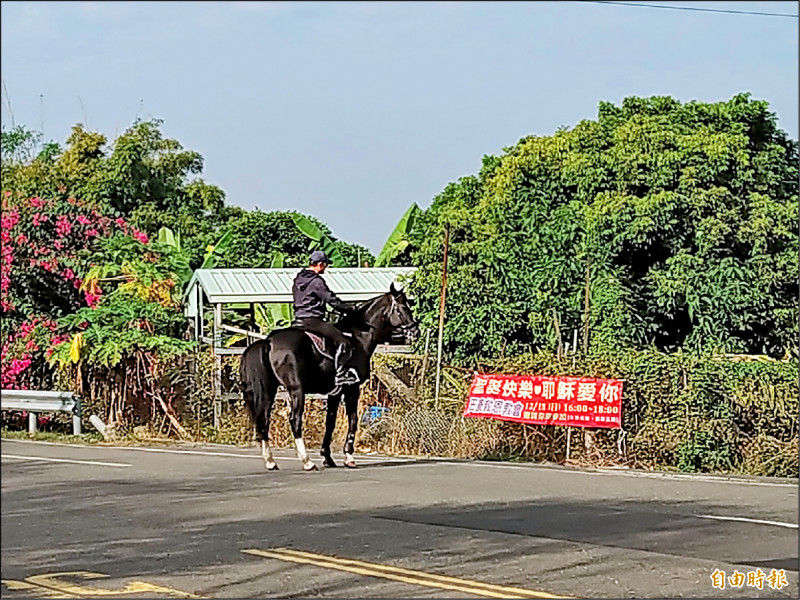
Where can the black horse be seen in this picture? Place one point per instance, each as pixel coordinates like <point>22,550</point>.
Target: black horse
<point>288,357</point>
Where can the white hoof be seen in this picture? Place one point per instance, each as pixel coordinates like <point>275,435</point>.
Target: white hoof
<point>349,461</point>
<point>310,466</point>
<point>272,466</point>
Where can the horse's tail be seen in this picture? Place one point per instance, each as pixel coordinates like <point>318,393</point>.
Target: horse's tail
<point>256,376</point>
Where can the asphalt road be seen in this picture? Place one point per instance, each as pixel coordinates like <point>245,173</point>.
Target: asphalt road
<point>88,521</point>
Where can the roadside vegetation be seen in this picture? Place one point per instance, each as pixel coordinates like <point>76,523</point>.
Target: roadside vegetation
<point>657,243</point>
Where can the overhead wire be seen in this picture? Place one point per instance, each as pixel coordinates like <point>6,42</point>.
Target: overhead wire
<point>694,8</point>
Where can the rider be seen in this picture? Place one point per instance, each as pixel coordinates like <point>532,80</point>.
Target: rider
<point>311,293</point>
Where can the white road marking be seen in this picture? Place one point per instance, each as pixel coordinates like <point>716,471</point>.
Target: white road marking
<point>280,453</point>
<point>748,520</point>
<point>63,460</point>
<point>284,453</point>
<point>624,473</point>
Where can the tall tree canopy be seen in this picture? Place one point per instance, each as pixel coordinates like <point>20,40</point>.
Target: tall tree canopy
<point>683,215</point>
<point>143,177</point>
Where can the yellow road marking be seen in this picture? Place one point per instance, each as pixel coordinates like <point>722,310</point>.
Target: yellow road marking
<point>51,586</point>
<point>41,592</point>
<point>400,574</point>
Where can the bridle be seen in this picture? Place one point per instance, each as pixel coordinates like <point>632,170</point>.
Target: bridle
<point>404,327</point>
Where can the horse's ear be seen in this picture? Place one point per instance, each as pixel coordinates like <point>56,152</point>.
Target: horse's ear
<point>392,289</point>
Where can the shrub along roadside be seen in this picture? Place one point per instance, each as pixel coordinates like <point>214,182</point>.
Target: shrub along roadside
<point>680,412</point>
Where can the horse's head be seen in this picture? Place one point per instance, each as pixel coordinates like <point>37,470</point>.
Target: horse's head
<point>399,314</point>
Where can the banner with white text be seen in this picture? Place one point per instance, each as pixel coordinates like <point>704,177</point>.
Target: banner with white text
<point>570,401</point>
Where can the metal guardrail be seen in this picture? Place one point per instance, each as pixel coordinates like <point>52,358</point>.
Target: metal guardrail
<point>36,401</point>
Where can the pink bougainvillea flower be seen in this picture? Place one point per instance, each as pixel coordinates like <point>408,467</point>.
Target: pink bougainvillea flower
<point>9,219</point>
<point>63,226</point>
<point>39,218</point>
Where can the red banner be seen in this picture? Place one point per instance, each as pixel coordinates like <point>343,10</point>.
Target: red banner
<point>571,401</point>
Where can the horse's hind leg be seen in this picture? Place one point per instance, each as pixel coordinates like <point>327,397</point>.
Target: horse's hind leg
<point>330,425</point>
<point>297,397</point>
<point>262,425</point>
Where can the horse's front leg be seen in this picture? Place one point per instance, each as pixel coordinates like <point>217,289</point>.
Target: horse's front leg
<point>351,406</point>
<point>298,401</point>
<point>330,425</point>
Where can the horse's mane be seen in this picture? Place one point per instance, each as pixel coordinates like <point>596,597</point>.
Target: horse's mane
<point>355,320</point>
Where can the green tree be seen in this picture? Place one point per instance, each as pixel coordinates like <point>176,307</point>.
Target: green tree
<point>147,179</point>
<point>683,215</point>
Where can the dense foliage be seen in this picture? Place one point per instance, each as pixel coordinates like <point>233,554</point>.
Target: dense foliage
<point>657,235</point>
<point>683,218</point>
<point>97,244</point>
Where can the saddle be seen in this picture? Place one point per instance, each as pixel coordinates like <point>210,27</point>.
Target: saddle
<point>320,342</point>
<point>323,345</point>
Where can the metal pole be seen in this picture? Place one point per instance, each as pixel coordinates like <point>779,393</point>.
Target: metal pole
<point>560,345</point>
<point>586,310</point>
<point>441,317</point>
<point>569,431</point>
<point>217,363</point>
<point>198,329</point>
<point>76,416</point>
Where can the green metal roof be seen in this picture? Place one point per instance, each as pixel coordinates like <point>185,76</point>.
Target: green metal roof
<point>223,286</point>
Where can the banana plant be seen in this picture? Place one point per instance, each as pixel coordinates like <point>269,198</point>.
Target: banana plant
<point>280,314</point>
<point>399,239</point>
<point>319,241</point>
<point>213,251</point>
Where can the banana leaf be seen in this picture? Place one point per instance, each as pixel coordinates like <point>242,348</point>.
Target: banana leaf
<point>319,241</point>
<point>166,237</point>
<point>181,263</point>
<point>214,250</point>
<point>399,238</point>
<point>281,314</point>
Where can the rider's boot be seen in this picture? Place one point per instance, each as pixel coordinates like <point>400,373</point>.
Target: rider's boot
<point>344,375</point>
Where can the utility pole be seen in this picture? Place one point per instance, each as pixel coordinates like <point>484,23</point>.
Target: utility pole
<point>441,316</point>
<point>586,309</point>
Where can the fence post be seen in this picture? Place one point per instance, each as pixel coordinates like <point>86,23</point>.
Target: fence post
<point>217,343</point>
<point>76,416</point>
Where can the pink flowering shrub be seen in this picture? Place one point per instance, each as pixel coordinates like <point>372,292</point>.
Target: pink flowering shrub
<point>20,348</point>
<point>47,248</point>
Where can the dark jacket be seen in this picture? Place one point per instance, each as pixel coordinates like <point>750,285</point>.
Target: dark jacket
<point>311,293</point>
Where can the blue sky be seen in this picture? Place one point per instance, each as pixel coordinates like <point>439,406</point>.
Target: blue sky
<point>351,111</point>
